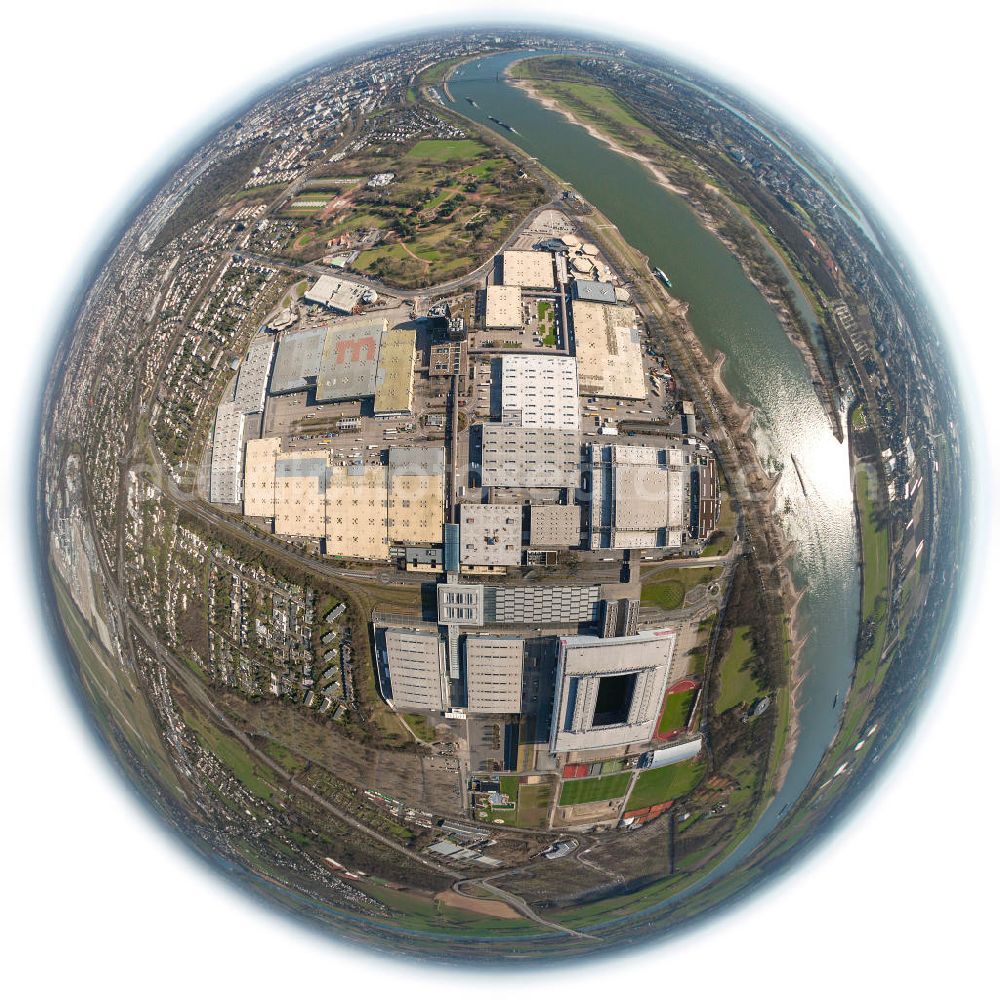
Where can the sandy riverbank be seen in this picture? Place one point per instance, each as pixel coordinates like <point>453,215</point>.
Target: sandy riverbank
<point>553,105</point>
<point>790,322</point>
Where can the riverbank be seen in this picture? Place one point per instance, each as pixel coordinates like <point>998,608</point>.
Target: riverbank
<point>730,423</point>
<point>788,316</point>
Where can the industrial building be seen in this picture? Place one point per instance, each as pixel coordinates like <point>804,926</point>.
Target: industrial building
<point>490,536</point>
<point>608,350</point>
<point>357,512</point>
<point>529,457</point>
<point>503,307</point>
<point>415,495</point>
<point>554,526</point>
<point>541,605</point>
<point>297,362</point>
<point>609,692</point>
<point>528,269</point>
<point>394,378</point>
<point>349,365</point>
<point>258,477</point>
<point>300,494</point>
<point>336,293</point>
<point>340,361</point>
<point>226,477</point>
<point>638,497</point>
<point>416,663</point>
<point>493,670</point>
<point>593,291</point>
<point>251,383</point>
<point>477,604</point>
<point>540,390</point>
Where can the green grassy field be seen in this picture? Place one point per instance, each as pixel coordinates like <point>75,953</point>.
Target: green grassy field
<point>608,786</point>
<point>875,577</point>
<point>533,804</point>
<point>875,547</point>
<point>510,785</point>
<point>676,711</point>
<point>446,150</point>
<point>663,784</point>
<point>667,585</point>
<point>667,595</point>
<point>736,683</point>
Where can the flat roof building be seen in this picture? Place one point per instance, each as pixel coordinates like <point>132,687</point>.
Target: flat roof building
<point>530,457</point>
<point>490,535</point>
<point>638,498</point>
<point>251,383</point>
<point>541,605</point>
<point>493,671</point>
<point>503,307</point>
<point>258,477</point>
<point>448,358</point>
<point>300,494</point>
<point>336,293</point>
<point>528,269</point>
<point>554,526</point>
<point>540,390</point>
<point>417,673</point>
<point>226,476</point>
<point>609,692</point>
<point>350,360</point>
<point>297,363</point>
<point>416,495</point>
<point>357,512</point>
<point>394,378</point>
<point>593,291</point>
<point>608,350</point>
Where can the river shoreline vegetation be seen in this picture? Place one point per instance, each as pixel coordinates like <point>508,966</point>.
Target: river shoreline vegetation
<point>587,96</point>
<point>316,811</point>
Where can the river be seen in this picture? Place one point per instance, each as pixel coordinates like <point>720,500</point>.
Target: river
<point>763,369</point>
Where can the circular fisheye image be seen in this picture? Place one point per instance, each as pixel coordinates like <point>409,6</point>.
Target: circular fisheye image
<point>502,496</point>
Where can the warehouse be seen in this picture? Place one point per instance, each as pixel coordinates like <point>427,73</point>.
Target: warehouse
<point>503,307</point>
<point>493,670</point>
<point>297,363</point>
<point>416,495</point>
<point>540,391</point>
<point>528,269</point>
<point>593,291</point>
<point>608,350</point>
<point>356,524</point>
<point>529,457</point>
<point>554,526</point>
<point>300,494</point>
<point>609,692</point>
<point>226,477</point>
<point>349,363</point>
<point>638,499</point>
<point>251,383</point>
<point>258,477</point>
<point>335,293</point>
<point>490,535</point>
<point>416,670</point>
<point>394,378</point>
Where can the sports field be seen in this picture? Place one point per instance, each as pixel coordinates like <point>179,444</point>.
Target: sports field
<point>676,710</point>
<point>608,786</point>
<point>663,784</point>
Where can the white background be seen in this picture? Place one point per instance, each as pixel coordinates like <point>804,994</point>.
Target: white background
<point>97,896</point>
